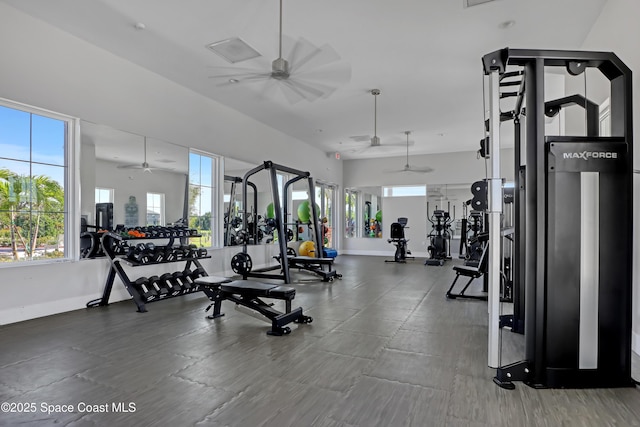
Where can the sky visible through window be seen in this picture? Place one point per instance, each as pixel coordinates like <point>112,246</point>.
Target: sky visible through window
<point>29,137</point>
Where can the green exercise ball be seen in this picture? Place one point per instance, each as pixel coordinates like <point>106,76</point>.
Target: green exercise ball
<point>271,212</point>
<point>304,211</point>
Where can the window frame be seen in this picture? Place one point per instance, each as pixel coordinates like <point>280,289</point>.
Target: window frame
<point>71,184</point>
<point>161,208</point>
<point>217,196</point>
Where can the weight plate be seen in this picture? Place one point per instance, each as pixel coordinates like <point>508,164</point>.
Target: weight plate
<point>241,263</point>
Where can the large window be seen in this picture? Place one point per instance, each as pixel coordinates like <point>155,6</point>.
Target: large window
<point>404,191</point>
<point>351,216</point>
<point>203,204</point>
<point>104,195</point>
<point>35,159</point>
<point>155,209</point>
<point>324,197</point>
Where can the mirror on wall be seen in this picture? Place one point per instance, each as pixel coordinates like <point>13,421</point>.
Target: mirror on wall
<point>234,211</point>
<point>451,198</point>
<point>143,178</point>
<point>363,212</point>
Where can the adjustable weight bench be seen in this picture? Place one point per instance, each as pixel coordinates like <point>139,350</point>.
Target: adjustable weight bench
<point>472,273</point>
<point>247,293</point>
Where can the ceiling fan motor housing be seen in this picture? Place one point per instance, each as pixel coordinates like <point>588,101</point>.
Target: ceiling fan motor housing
<point>280,69</point>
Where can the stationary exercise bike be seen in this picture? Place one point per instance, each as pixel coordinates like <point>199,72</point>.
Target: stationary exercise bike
<point>439,238</point>
<point>398,239</point>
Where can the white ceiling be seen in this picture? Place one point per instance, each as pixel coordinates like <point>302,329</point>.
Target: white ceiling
<point>424,56</point>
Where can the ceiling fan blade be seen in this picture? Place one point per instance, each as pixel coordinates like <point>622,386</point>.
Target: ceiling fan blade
<point>424,169</point>
<point>331,75</point>
<point>361,138</point>
<point>313,90</point>
<point>302,52</point>
<point>410,170</point>
<point>239,80</point>
<point>291,93</point>
<point>133,166</point>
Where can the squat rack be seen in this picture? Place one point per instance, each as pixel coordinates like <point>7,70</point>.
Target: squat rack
<point>298,175</point>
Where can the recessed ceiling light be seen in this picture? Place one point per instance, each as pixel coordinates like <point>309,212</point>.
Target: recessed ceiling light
<point>233,80</point>
<point>233,50</point>
<point>507,24</point>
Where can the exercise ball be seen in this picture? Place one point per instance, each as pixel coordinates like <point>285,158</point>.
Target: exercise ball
<point>304,211</point>
<point>271,212</point>
<point>307,248</point>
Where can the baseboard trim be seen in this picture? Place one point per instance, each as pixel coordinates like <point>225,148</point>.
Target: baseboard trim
<point>28,312</point>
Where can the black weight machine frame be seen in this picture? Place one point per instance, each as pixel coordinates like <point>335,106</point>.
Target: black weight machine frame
<point>312,264</point>
<point>547,259</point>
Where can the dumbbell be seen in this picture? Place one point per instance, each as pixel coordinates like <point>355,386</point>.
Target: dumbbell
<point>158,254</point>
<point>198,272</point>
<point>147,292</point>
<point>154,283</point>
<point>201,253</point>
<point>166,280</point>
<point>180,281</point>
<point>139,253</point>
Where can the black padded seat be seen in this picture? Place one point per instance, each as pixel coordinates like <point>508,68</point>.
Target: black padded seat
<point>211,281</point>
<point>258,289</point>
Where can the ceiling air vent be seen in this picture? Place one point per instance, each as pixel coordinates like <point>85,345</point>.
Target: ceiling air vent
<point>233,50</point>
<point>471,3</point>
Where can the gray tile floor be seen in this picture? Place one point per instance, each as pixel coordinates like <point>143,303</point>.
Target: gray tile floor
<point>385,349</point>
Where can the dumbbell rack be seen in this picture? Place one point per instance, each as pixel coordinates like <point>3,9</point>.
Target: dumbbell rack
<point>109,243</point>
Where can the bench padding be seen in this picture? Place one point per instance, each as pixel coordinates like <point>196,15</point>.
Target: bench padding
<point>258,289</point>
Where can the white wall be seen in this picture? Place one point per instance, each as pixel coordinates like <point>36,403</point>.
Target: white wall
<point>617,30</point>
<point>45,67</point>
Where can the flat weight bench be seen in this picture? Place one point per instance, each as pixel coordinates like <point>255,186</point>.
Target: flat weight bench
<point>247,293</point>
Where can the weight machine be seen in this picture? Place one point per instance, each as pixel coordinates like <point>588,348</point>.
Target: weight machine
<point>571,264</point>
<point>241,262</point>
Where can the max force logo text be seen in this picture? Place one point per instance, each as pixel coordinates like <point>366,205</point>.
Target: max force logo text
<point>586,155</point>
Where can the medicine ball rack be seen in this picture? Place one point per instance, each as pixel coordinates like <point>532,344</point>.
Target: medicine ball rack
<point>154,288</point>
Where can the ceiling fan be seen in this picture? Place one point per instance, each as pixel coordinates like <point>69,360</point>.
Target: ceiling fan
<point>144,165</point>
<point>309,73</point>
<point>407,167</point>
<point>374,141</point>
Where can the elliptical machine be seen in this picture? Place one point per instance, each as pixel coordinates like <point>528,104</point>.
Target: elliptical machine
<point>398,239</point>
<point>440,237</point>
